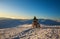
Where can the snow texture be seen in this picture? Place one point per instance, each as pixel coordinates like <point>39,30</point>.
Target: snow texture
<point>27,32</point>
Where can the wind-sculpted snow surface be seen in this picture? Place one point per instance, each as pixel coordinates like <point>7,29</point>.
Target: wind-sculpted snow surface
<point>40,34</point>
<point>27,32</point>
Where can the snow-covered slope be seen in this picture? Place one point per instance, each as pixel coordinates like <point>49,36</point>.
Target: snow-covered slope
<point>27,32</point>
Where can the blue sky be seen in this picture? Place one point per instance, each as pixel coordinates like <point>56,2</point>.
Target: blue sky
<point>26,9</point>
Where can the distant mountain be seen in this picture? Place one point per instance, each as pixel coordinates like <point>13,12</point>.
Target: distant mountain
<point>8,22</point>
<point>48,22</point>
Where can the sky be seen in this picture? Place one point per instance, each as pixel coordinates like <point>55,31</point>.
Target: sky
<point>27,9</point>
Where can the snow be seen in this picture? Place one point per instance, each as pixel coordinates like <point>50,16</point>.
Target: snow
<point>27,32</point>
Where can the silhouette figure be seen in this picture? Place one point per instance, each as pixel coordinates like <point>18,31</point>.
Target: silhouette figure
<point>35,23</point>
